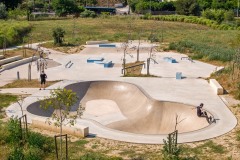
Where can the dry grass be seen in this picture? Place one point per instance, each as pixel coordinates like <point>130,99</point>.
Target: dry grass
<point>17,52</point>
<point>24,83</point>
<point>65,48</point>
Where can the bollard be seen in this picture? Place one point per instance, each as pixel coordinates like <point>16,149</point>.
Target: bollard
<point>18,75</point>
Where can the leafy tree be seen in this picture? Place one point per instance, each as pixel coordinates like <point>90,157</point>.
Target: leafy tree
<point>64,7</point>
<point>58,35</point>
<point>187,7</point>
<point>3,11</point>
<point>62,101</point>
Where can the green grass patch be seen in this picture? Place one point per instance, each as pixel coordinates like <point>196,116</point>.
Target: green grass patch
<point>7,99</point>
<point>13,31</point>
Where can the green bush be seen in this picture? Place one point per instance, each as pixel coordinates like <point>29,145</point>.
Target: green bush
<point>193,19</point>
<point>34,153</point>
<point>88,13</point>
<point>39,141</point>
<point>229,15</point>
<point>17,14</point>
<point>16,154</point>
<point>13,31</point>
<point>58,35</point>
<point>14,130</point>
<point>214,14</point>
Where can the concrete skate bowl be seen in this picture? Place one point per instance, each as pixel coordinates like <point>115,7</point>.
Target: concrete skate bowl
<point>136,112</point>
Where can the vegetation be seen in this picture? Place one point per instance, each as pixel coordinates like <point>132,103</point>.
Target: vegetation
<point>24,83</point>
<point>58,35</point>
<point>7,99</point>
<point>61,100</point>
<point>197,20</point>
<point>3,11</point>
<point>187,7</point>
<point>13,32</point>
<point>64,7</point>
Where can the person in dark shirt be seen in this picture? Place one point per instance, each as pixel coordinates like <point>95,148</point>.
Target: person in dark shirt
<point>43,78</point>
<point>200,113</point>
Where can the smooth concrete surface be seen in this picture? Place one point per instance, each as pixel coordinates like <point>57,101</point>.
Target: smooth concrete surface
<point>19,62</point>
<point>191,90</point>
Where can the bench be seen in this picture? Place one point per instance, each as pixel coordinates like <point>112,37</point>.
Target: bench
<point>106,63</point>
<point>79,131</point>
<point>218,89</point>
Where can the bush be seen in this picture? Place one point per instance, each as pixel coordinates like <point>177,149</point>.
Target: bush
<point>88,13</point>
<point>16,154</point>
<point>39,141</point>
<point>58,35</point>
<point>34,154</point>
<point>13,31</point>
<point>229,15</point>
<point>214,14</point>
<point>14,131</point>
<point>17,13</point>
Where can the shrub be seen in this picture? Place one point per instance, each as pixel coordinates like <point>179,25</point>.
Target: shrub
<point>229,15</point>
<point>34,153</point>
<point>214,14</point>
<point>58,35</point>
<point>16,154</point>
<point>88,13</point>
<point>13,31</point>
<point>14,131</point>
<point>39,141</point>
<point>17,13</point>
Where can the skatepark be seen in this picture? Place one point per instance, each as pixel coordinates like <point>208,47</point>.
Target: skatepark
<point>132,109</point>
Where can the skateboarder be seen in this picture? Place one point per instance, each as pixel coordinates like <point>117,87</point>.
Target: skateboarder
<point>200,112</point>
<point>43,78</point>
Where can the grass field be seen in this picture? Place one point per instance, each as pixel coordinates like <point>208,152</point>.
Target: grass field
<point>121,28</point>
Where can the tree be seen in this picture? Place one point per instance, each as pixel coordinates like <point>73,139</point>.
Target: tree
<point>3,11</point>
<point>64,7</point>
<point>187,7</point>
<point>58,35</point>
<point>62,101</point>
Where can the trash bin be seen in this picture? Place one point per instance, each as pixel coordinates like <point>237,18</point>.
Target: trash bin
<point>179,75</point>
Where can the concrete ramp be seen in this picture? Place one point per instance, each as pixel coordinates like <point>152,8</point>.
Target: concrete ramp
<point>143,114</point>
